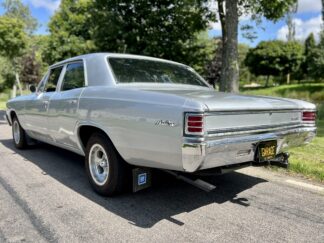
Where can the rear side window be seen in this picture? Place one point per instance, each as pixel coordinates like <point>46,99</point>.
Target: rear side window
<point>74,76</point>
<point>53,79</point>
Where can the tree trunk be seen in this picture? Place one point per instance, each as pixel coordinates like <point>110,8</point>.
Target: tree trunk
<point>288,78</point>
<point>18,83</point>
<point>267,81</point>
<point>14,91</point>
<point>323,12</point>
<point>230,67</point>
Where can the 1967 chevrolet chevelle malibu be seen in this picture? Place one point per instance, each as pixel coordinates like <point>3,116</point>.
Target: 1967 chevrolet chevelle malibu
<point>124,111</point>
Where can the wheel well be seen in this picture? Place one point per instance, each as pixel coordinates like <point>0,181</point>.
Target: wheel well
<point>13,114</point>
<point>86,131</point>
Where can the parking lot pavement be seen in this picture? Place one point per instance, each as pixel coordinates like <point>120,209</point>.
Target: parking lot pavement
<point>45,197</point>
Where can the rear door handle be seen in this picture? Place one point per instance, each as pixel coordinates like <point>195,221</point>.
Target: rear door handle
<point>73,102</point>
<point>45,102</point>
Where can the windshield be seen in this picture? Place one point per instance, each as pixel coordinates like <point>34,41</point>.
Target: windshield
<point>131,70</point>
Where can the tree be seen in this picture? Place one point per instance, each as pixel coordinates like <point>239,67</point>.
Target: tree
<point>30,68</point>
<point>316,57</point>
<point>12,41</point>
<point>264,59</point>
<point>274,58</point>
<point>70,31</point>
<point>290,23</point>
<point>245,74</point>
<point>16,9</point>
<point>213,68</point>
<point>291,58</point>
<point>229,12</point>
<point>162,28</point>
<point>323,10</point>
<point>309,54</point>
<point>7,73</point>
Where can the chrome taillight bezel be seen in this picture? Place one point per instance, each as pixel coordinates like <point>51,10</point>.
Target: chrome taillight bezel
<point>186,124</point>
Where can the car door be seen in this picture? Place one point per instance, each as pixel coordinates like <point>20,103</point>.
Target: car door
<point>37,108</point>
<point>64,105</point>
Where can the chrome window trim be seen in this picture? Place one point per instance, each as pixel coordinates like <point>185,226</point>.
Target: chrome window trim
<point>58,81</point>
<point>112,73</point>
<point>64,71</point>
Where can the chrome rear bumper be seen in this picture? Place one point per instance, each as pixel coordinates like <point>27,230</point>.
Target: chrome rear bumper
<point>198,153</point>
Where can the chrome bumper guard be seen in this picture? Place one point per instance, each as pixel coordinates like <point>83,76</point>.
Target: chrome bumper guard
<point>199,154</point>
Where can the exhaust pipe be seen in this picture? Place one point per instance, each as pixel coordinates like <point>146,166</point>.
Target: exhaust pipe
<point>281,160</point>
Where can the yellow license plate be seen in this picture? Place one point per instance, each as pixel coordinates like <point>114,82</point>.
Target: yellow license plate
<point>267,150</point>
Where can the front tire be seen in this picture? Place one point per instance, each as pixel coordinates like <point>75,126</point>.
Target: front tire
<point>105,169</point>
<point>18,134</point>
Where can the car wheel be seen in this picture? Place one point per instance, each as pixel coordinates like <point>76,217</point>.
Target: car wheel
<point>18,134</point>
<point>105,169</point>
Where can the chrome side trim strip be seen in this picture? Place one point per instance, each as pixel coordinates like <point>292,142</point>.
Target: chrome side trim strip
<point>238,112</point>
<point>252,128</point>
<point>230,132</point>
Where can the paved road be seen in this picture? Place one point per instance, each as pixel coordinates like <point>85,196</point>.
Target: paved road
<point>45,197</point>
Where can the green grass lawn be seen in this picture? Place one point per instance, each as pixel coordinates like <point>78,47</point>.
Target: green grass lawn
<point>309,92</point>
<point>3,99</point>
<point>307,160</point>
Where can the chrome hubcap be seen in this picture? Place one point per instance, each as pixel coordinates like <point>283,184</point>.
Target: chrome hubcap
<point>16,132</point>
<point>98,164</point>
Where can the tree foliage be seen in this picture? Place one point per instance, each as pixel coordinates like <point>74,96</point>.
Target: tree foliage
<point>16,9</point>
<point>316,59</point>
<point>161,28</point>
<point>12,37</point>
<point>70,31</point>
<point>30,68</point>
<point>274,58</point>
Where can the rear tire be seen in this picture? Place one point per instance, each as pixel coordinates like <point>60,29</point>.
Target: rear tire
<point>18,134</point>
<point>106,170</point>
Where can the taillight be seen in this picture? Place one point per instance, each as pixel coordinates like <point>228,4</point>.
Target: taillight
<point>194,124</point>
<point>309,116</point>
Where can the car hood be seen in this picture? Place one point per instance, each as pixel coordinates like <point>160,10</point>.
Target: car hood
<point>219,101</point>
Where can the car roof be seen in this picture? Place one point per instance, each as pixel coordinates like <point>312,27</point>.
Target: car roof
<point>100,55</point>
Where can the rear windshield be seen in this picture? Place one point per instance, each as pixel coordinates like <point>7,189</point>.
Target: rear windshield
<point>131,70</point>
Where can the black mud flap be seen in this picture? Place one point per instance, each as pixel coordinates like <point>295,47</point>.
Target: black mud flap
<point>142,178</point>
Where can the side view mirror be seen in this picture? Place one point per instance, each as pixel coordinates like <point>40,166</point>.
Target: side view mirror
<point>32,88</point>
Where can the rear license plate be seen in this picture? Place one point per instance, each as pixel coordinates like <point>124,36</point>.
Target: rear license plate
<point>267,150</point>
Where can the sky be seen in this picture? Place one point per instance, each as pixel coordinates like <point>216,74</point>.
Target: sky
<point>307,20</point>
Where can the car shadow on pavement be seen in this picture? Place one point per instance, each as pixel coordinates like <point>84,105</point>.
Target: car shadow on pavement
<point>166,198</point>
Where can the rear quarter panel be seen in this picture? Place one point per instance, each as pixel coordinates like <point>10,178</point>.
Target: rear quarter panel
<point>129,118</point>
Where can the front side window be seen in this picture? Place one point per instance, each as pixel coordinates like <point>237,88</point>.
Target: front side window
<point>74,76</point>
<point>132,70</point>
<point>53,79</point>
<point>41,85</point>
